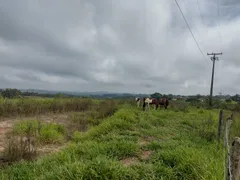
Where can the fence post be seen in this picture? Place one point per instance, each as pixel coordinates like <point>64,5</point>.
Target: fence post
<point>220,124</point>
<point>227,126</point>
<point>228,164</point>
<point>235,159</point>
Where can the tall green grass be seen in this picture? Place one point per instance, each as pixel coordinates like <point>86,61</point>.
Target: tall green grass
<point>183,145</point>
<point>44,132</point>
<point>235,127</point>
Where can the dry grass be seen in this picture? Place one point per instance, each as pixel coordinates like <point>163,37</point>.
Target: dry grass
<point>146,155</point>
<point>35,106</point>
<point>129,161</point>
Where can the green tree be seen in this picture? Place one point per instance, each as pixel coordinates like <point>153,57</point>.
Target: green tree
<point>170,96</point>
<point>156,95</point>
<point>11,93</point>
<point>228,100</point>
<point>198,96</point>
<point>236,97</point>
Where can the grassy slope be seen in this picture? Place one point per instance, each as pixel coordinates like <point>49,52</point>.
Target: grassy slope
<point>180,146</point>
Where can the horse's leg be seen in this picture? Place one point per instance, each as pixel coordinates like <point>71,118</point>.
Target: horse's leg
<point>144,105</point>
<point>165,106</point>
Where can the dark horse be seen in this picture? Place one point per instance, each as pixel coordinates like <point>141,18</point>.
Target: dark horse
<point>163,102</point>
<point>153,101</point>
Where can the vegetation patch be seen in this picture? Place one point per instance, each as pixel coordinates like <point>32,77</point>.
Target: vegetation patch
<point>113,140</point>
<point>45,133</point>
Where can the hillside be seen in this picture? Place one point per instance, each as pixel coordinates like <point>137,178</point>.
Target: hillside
<point>133,144</point>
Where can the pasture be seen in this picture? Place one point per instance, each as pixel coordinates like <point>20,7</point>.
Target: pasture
<point>82,138</point>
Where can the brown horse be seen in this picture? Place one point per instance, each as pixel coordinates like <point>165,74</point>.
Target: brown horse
<point>163,102</point>
<point>152,101</point>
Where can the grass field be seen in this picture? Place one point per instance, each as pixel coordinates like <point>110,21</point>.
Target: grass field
<point>118,141</point>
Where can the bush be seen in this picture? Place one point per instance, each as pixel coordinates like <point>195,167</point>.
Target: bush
<point>17,148</point>
<point>79,121</point>
<point>52,133</point>
<point>107,108</point>
<point>45,133</point>
<point>237,107</point>
<point>21,143</point>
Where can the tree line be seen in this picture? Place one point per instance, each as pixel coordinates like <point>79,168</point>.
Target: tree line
<point>197,97</point>
<point>16,93</point>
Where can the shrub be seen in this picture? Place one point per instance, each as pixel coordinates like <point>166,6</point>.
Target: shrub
<point>107,108</point>
<point>44,132</point>
<point>79,121</point>
<point>52,133</point>
<point>17,148</point>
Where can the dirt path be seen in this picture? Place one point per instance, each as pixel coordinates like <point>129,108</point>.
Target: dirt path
<point>5,126</point>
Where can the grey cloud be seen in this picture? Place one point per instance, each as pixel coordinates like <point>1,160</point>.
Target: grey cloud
<point>148,85</point>
<point>14,31</point>
<point>123,46</point>
<point>28,77</point>
<point>57,66</point>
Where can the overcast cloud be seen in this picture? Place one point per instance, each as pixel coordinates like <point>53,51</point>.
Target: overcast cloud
<point>139,46</point>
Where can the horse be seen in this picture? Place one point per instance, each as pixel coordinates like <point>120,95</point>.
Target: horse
<point>152,101</point>
<point>149,101</point>
<point>163,102</point>
<point>138,100</point>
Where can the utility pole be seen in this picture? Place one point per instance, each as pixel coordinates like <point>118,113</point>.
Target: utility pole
<point>214,58</point>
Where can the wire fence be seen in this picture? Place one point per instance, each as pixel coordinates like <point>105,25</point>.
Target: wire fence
<point>227,130</point>
<point>231,171</point>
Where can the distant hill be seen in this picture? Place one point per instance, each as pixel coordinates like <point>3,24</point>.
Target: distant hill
<point>97,94</point>
<point>105,94</point>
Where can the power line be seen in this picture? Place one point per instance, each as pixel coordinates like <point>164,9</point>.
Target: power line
<point>190,30</point>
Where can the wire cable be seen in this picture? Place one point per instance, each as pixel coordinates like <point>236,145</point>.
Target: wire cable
<point>190,30</point>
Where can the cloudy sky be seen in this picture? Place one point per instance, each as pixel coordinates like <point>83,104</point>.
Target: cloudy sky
<point>140,46</point>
